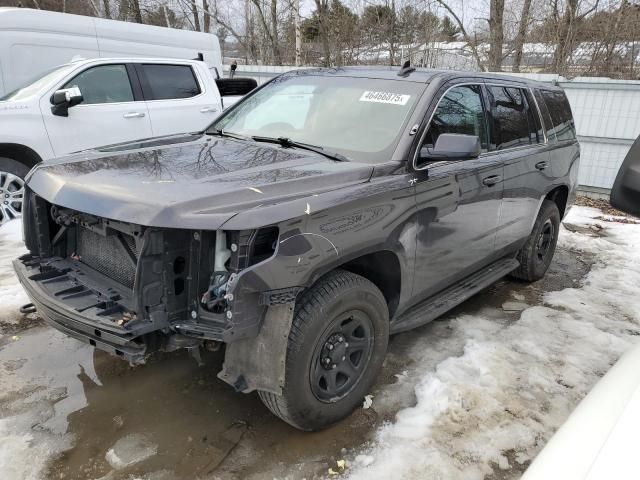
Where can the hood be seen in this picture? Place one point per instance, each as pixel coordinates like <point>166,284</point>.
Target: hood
<point>195,181</point>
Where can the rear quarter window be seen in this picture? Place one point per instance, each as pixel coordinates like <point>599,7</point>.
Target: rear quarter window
<point>546,117</point>
<point>167,82</point>
<point>560,112</point>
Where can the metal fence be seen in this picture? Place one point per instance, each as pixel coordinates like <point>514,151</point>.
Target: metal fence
<point>606,112</point>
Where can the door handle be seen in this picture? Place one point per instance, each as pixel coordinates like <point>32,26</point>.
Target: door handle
<point>492,180</point>
<point>542,165</point>
<point>133,115</point>
<point>208,110</point>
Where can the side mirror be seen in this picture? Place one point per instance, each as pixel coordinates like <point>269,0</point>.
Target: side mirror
<point>64,99</point>
<point>625,193</point>
<point>452,146</point>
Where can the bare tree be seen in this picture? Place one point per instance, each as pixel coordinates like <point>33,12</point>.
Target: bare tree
<point>521,36</point>
<point>206,20</point>
<point>496,34</point>
<point>566,32</point>
<point>137,13</point>
<point>298,32</point>
<point>196,16</point>
<point>467,38</point>
<point>322,7</point>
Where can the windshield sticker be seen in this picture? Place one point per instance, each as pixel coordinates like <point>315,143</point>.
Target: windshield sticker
<point>385,97</point>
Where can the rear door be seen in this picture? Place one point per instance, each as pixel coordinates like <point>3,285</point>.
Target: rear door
<point>112,111</point>
<point>458,202</point>
<point>518,138</point>
<point>178,98</point>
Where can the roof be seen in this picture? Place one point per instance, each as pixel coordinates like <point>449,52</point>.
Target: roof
<point>419,75</point>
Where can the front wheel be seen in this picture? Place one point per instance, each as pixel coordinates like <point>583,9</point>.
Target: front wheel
<point>537,253</point>
<point>335,350</point>
<point>12,175</point>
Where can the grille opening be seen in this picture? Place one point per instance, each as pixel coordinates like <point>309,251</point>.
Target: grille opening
<point>97,332</point>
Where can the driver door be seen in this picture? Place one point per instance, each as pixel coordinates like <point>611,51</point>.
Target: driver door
<point>458,202</point>
<point>110,112</point>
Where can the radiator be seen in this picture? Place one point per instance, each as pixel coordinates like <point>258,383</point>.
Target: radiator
<point>108,255</point>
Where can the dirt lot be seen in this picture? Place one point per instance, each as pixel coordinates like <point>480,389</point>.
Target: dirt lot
<point>69,412</point>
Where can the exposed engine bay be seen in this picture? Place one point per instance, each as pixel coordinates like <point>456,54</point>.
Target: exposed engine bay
<point>132,289</point>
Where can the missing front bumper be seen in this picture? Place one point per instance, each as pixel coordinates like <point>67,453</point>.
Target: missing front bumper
<point>84,325</point>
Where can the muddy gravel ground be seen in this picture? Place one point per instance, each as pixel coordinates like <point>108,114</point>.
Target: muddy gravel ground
<point>91,416</point>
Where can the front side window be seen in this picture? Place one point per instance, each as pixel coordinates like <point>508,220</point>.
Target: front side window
<point>459,111</point>
<point>360,118</point>
<point>103,84</point>
<point>560,111</point>
<point>167,82</point>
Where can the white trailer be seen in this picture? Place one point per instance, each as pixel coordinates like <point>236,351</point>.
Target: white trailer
<point>34,41</point>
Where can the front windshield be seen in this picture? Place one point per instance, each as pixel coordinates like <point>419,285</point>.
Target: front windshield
<point>360,118</point>
<point>34,85</point>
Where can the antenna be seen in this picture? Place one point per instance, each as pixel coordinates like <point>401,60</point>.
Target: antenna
<point>406,69</point>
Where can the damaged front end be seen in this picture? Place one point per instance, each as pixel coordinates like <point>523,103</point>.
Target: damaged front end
<point>131,290</point>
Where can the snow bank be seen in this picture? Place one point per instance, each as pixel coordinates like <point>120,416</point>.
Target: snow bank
<point>495,405</point>
<point>12,295</point>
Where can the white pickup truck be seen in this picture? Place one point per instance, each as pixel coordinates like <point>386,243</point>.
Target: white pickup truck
<point>91,103</point>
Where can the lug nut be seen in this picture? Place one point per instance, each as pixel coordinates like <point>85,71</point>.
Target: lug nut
<point>327,361</point>
<point>346,344</point>
<point>330,346</point>
<point>333,366</point>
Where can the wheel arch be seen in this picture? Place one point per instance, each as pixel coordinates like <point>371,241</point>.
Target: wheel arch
<point>20,153</point>
<point>382,268</point>
<point>560,196</point>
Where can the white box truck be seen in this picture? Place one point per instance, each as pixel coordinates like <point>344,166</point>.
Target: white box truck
<point>137,82</point>
<point>34,41</point>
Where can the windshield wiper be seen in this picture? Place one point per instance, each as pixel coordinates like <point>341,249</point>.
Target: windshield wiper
<point>221,133</point>
<point>288,143</point>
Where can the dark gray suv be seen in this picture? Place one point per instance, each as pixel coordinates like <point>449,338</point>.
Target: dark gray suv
<point>327,210</point>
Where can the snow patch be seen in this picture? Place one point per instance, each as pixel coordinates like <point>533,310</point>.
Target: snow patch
<point>11,292</point>
<point>496,404</point>
<point>129,450</point>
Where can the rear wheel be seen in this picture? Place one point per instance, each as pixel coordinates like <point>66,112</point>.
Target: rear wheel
<point>12,175</point>
<point>336,347</point>
<point>537,253</point>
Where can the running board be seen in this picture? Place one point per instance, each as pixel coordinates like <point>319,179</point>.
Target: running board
<point>435,306</point>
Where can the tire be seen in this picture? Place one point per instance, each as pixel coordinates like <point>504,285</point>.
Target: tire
<point>12,175</point>
<point>350,313</point>
<point>537,253</point>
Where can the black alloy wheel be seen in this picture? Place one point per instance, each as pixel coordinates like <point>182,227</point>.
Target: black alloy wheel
<point>341,355</point>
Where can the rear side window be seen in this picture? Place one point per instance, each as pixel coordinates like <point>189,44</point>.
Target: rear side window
<point>103,84</point>
<point>460,110</point>
<point>166,82</point>
<point>515,121</point>
<point>560,112</point>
